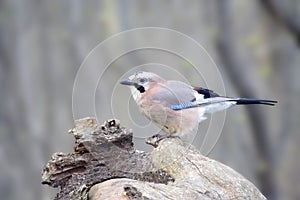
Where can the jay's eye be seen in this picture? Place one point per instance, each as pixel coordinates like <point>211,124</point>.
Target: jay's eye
<point>143,80</point>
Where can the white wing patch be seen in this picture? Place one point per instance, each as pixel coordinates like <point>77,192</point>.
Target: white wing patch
<point>198,96</point>
<point>215,107</point>
<point>201,114</point>
<point>211,105</point>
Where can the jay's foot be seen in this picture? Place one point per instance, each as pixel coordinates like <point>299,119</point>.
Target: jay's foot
<point>155,139</point>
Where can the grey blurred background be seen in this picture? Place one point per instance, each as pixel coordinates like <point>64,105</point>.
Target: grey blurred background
<point>255,45</point>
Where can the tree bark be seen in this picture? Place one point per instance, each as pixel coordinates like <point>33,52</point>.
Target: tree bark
<point>105,165</point>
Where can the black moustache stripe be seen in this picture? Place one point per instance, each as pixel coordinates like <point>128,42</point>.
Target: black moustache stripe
<point>140,88</point>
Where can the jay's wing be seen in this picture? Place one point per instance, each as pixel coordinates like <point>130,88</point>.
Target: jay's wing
<point>179,95</point>
<point>212,98</point>
<point>175,93</point>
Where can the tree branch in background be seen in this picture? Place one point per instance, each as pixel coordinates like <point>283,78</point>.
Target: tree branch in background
<point>285,17</point>
<point>245,88</point>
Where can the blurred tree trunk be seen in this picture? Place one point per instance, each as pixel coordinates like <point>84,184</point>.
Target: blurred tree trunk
<point>242,80</point>
<point>286,13</point>
<point>281,31</point>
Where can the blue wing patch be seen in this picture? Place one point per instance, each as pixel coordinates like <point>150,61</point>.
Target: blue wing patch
<point>183,105</point>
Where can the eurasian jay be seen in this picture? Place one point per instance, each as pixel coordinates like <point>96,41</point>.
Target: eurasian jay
<point>175,106</point>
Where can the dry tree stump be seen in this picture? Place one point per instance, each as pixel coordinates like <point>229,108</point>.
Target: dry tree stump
<point>105,165</point>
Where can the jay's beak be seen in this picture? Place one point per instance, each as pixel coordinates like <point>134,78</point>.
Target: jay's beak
<point>127,81</point>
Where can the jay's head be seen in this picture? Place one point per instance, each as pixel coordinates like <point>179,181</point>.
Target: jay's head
<point>140,82</point>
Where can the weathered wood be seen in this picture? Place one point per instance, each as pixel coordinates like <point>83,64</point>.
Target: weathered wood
<point>105,165</point>
<point>201,174</point>
<point>100,153</point>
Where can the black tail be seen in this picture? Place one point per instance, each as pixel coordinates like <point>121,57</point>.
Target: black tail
<point>243,101</point>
